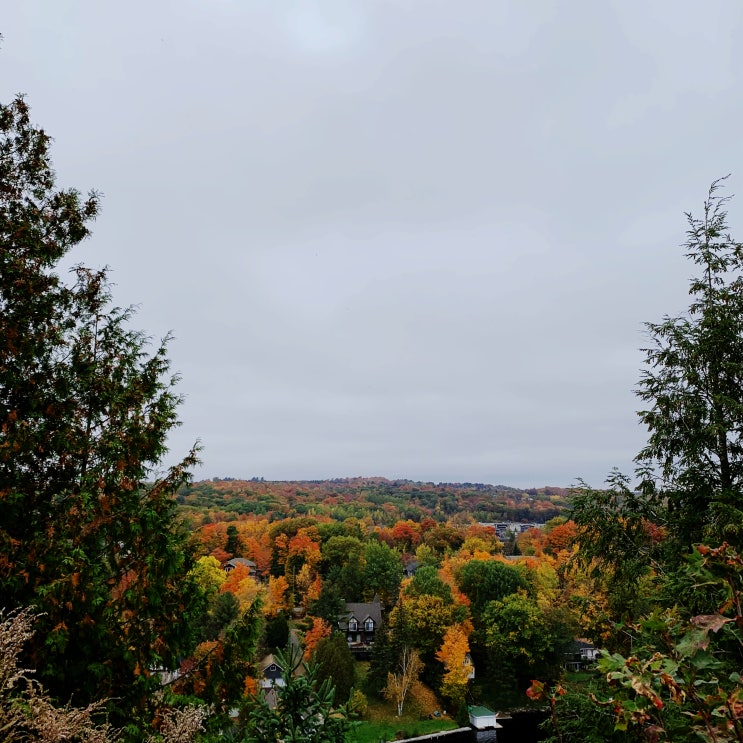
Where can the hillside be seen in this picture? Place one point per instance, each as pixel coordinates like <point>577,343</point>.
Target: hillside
<point>383,501</point>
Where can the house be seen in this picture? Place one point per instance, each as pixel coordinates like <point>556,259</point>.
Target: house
<point>360,622</point>
<point>230,565</point>
<point>482,718</point>
<point>468,662</point>
<point>270,680</point>
<point>409,568</point>
<point>581,655</point>
<point>271,674</point>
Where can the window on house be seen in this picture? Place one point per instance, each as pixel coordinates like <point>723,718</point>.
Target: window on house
<point>369,625</point>
<point>353,625</point>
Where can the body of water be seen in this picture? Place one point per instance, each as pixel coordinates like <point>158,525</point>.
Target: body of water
<point>521,727</point>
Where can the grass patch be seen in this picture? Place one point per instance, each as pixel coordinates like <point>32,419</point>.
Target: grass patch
<point>382,724</point>
<point>580,677</point>
<point>374,731</point>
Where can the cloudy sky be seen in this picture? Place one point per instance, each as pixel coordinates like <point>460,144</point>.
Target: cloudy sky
<point>408,238</point>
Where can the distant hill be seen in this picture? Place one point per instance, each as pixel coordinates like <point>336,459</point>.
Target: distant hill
<point>384,501</point>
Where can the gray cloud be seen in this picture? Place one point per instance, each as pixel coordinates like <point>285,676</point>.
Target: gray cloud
<point>408,239</point>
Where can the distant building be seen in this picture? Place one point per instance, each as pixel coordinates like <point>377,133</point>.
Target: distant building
<point>271,679</point>
<point>505,528</point>
<point>581,655</point>
<point>230,565</point>
<point>410,567</point>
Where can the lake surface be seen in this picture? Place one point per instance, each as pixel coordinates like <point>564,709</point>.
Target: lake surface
<point>523,727</point>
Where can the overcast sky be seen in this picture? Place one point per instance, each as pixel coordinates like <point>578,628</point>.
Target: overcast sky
<point>396,238</point>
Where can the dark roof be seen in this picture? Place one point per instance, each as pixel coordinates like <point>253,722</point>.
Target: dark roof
<point>363,611</point>
<point>266,662</point>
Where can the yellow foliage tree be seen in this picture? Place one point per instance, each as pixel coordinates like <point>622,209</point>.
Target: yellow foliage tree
<point>400,683</point>
<point>209,574</point>
<point>278,596</point>
<point>304,583</point>
<point>428,617</point>
<point>248,589</point>
<point>454,654</point>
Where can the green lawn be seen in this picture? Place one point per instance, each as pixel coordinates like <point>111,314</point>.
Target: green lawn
<point>373,731</point>
<point>381,722</point>
<point>420,716</point>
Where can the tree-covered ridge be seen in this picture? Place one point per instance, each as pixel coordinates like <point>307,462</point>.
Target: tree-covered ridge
<point>381,500</point>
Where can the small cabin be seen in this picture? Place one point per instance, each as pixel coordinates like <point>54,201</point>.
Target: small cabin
<point>482,718</point>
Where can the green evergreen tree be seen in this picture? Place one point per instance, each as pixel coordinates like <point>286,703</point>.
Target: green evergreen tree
<point>305,710</point>
<point>218,673</point>
<point>343,567</point>
<point>88,531</point>
<point>678,676</point>
<point>233,545</point>
<point>219,614</point>
<point>330,604</point>
<point>391,641</point>
<point>693,382</point>
<point>276,632</point>
<point>335,662</point>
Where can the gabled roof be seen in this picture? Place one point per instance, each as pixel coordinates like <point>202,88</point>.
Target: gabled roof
<point>235,561</point>
<point>266,662</point>
<point>363,611</point>
<point>584,644</point>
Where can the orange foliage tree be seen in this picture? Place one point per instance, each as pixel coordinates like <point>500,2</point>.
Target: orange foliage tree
<point>531,542</point>
<point>406,535</point>
<point>560,537</point>
<point>234,578</point>
<point>242,585</point>
<point>211,537</point>
<point>258,548</point>
<point>303,548</point>
<point>278,596</point>
<point>320,628</point>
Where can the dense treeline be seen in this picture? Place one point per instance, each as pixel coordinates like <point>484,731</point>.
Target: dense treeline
<point>384,501</point>
<point>450,600</point>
